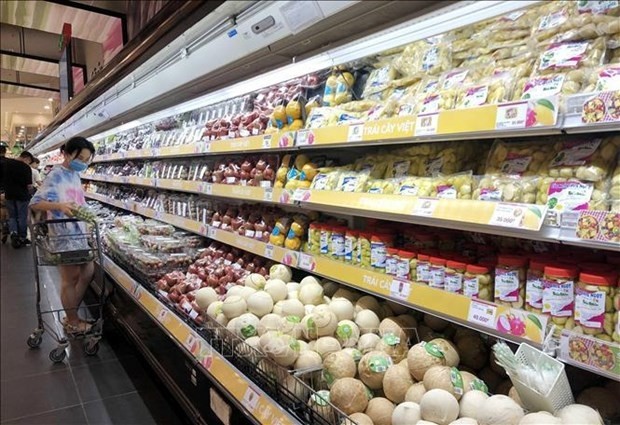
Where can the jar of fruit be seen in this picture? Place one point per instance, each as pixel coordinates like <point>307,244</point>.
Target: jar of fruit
<point>378,252</point>
<point>594,303</point>
<point>437,271</point>
<point>477,282</point>
<point>510,275</point>
<point>559,293</point>
<point>314,238</point>
<point>350,246</point>
<point>534,285</point>
<point>363,249</point>
<point>406,267</point>
<point>326,240</point>
<point>453,279</point>
<point>337,243</point>
<point>423,268</point>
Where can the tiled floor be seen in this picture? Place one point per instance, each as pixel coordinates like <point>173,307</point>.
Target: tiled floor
<point>113,387</point>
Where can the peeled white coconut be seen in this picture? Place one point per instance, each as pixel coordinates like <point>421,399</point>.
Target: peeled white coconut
<point>500,409</point>
<point>234,306</point>
<point>464,421</point>
<point>255,280</point>
<point>311,293</point>
<point>277,289</point>
<point>349,395</point>
<point>372,368</point>
<point>292,295</point>
<point>380,411</point>
<point>292,286</point>
<point>406,413</point>
<point>342,308</point>
<point>415,392</point>
<point>368,321</point>
<point>292,308</point>
<point>291,325</point>
<point>396,382</point>
<point>423,422</point>
<point>280,271</point>
<point>439,406</point>
<point>575,414</point>
<point>221,319</point>
<point>205,297</point>
<point>269,322</point>
<point>326,322</point>
<point>471,402</point>
<point>308,327</point>
<point>254,342</point>
<point>232,325</point>
<point>354,353</point>
<point>368,342</point>
<point>214,309</point>
<point>538,418</point>
<point>326,345</point>
<point>310,280</point>
<point>338,365</point>
<point>277,308</point>
<point>449,351</point>
<point>234,290</point>
<point>393,347</point>
<point>260,303</point>
<point>322,308</point>
<point>330,287</point>
<point>445,378</point>
<point>303,345</point>
<point>246,325</point>
<point>326,299</point>
<point>347,333</point>
<point>308,359</point>
<point>368,302</point>
<point>245,292</point>
<point>309,308</point>
<point>359,419</point>
<point>422,357</point>
<point>282,349</point>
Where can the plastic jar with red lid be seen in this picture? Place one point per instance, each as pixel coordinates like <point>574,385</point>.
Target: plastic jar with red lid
<point>379,244</point>
<point>437,272</point>
<point>559,293</point>
<point>314,238</point>
<point>477,282</point>
<point>363,249</point>
<point>391,261</point>
<point>350,246</point>
<point>337,243</point>
<point>510,276</point>
<point>594,303</point>
<point>534,285</point>
<point>326,240</point>
<point>423,269</point>
<point>406,267</point>
<point>454,274</point>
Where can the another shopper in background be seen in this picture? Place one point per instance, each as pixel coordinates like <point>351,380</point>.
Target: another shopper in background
<point>59,196</point>
<point>17,181</point>
<point>36,176</point>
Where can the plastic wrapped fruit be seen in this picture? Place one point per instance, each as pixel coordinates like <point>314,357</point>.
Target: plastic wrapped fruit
<point>454,186</point>
<point>506,189</point>
<point>424,57</point>
<point>614,190</point>
<point>587,160</point>
<point>519,158</point>
<point>605,78</point>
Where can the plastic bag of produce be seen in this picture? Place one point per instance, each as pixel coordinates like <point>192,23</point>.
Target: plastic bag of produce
<point>614,190</point>
<point>605,78</point>
<point>378,81</point>
<point>326,179</point>
<point>415,186</point>
<point>453,186</point>
<point>520,158</point>
<point>424,57</point>
<point>571,194</point>
<point>506,189</point>
<point>384,186</point>
<point>587,160</point>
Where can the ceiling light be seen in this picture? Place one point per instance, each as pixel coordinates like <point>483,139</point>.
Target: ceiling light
<point>50,99</point>
<point>23,126</point>
<point>46,107</point>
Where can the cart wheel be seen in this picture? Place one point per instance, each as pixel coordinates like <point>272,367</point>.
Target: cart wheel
<point>34,340</point>
<point>91,348</point>
<point>57,355</point>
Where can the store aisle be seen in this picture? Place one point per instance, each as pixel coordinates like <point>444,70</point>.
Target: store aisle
<point>113,387</point>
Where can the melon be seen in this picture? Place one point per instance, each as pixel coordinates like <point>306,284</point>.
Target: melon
<point>349,395</point>
<point>422,356</point>
<point>415,392</point>
<point>380,411</point>
<point>406,413</point>
<point>396,382</point>
<point>439,406</point>
<point>372,368</point>
<point>338,365</point>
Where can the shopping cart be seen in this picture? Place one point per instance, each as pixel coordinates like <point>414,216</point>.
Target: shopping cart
<point>4,219</point>
<point>52,248</point>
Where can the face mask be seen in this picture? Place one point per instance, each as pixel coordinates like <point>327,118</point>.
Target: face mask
<point>77,165</point>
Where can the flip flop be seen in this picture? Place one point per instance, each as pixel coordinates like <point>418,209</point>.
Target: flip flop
<point>82,328</point>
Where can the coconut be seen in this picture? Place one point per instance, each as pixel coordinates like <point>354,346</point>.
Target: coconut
<point>497,368</point>
<point>292,308</point>
<point>322,308</point>
<point>310,280</point>
<point>276,288</point>
<point>368,321</point>
<point>214,309</point>
<point>269,322</point>
<point>308,327</point>
<point>499,409</point>
<point>309,309</point>
<point>311,293</point>
<point>503,387</point>
<point>292,286</point>
<point>470,403</point>
<point>338,365</point>
<point>386,311</point>
<point>246,325</point>
<point>205,297</point>
<point>445,378</point>
<point>233,307</point>
<point>415,392</point>
<point>391,325</point>
<point>435,323</point>
<point>537,418</point>
<point>368,342</point>
<point>329,287</point>
<point>513,394</point>
<point>427,334</point>
<point>253,342</point>
<point>396,382</point>
<point>349,395</point>
<point>291,325</point>
<point>472,382</point>
<point>281,348</point>
<point>490,378</point>
<point>439,406</point>
<point>464,421</point>
<point>232,325</point>
<point>319,402</point>
<point>601,399</point>
<point>464,333</point>
<point>380,410</point>
<point>347,333</point>
<point>326,322</point>
<point>473,352</point>
<point>359,419</point>
<point>260,303</point>
<point>368,302</point>
<point>406,413</point>
<point>398,309</point>
<point>576,414</point>
<point>393,347</point>
<point>342,308</point>
<point>410,325</point>
<point>326,345</point>
<point>372,368</point>
<point>422,357</point>
<point>221,319</point>
<point>255,281</point>
<point>308,359</point>
<point>449,351</point>
<point>355,354</point>
<point>280,271</point>
<point>350,295</point>
<point>245,292</point>
<point>303,345</point>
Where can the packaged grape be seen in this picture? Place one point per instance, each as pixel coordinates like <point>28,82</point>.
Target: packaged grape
<point>454,186</point>
<point>519,158</point>
<point>506,189</point>
<point>605,78</point>
<point>378,81</point>
<point>415,186</point>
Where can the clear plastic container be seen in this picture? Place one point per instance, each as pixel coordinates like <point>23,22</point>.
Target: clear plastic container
<point>454,274</point>
<point>437,272</point>
<point>326,240</point>
<point>594,303</point>
<point>477,282</point>
<point>406,267</point>
<point>534,286</point>
<point>363,250</point>
<point>510,276</point>
<point>314,238</point>
<point>351,246</point>
<point>379,244</point>
<point>391,261</point>
<point>337,243</point>
<point>559,293</point>
<point>423,268</point>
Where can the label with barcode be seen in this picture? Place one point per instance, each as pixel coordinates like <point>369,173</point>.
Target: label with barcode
<point>482,314</point>
<point>211,232</point>
<point>306,262</point>
<point>400,289</point>
<point>268,194</point>
<point>250,399</point>
<point>267,141</point>
<point>269,251</point>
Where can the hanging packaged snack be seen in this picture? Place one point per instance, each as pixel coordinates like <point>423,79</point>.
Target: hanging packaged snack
<point>453,186</point>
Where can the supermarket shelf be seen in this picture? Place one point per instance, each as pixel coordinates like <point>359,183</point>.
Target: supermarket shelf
<point>607,363</point>
<point>573,117</point>
<point>484,316</point>
<point>260,406</point>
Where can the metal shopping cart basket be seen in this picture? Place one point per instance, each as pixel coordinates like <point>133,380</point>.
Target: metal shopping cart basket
<point>66,242</point>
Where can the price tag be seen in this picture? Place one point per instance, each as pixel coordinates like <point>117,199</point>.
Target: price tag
<point>125,179</point>
<point>425,207</point>
<point>193,314</point>
<point>511,116</point>
<point>267,141</point>
<point>155,152</point>
<point>162,314</point>
<point>508,215</point>
<point>302,139</point>
<point>135,289</point>
<point>159,215</point>
<point>207,188</point>
<point>191,342</point>
<point>162,294</point>
<point>268,194</point>
<point>356,133</point>
<point>400,289</point>
<point>306,262</point>
<point>203,230</point>
<point>426,124</point>
<point>269,251</point>
<point>301,195</point>
<point>482,314</point>
<point>250,399</point>
<point>211,232</point>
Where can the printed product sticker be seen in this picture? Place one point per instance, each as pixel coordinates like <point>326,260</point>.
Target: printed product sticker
<point>590,308</point>
<point>471,287</point>
<point>558,299</point>
<point>507,285</point>
<point>569,196</point>
<point>534,291</point>
<point>563,55</point>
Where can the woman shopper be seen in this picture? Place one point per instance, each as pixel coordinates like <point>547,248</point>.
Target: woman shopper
<point>59,196</point>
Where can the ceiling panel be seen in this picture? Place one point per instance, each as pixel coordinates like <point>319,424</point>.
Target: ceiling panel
<point>26,91</point>
<point>50,17</point>
<point>32,66</point>
<point>44,81</point>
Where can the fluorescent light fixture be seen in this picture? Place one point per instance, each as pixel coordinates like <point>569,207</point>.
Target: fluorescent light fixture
<point>23,126</point>
<point>46,107</point>
<point>50,99</point>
